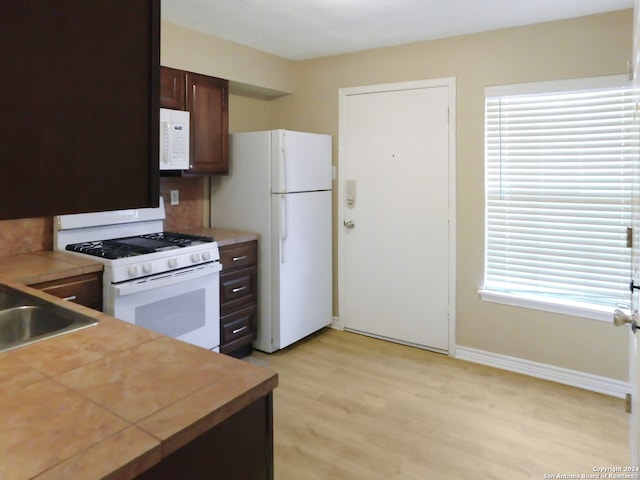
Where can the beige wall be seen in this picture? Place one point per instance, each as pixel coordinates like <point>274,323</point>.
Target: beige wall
<point>589,46</point>
<point>247,114</point>
<point>196,52</point>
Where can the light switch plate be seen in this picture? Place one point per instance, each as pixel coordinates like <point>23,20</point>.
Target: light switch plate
<point>175,197</point>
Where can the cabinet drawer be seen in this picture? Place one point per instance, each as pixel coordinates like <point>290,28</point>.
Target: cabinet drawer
<point>238,288</point>
<point>240,255</point>
<point>236,329</point>
<point>82,289</point>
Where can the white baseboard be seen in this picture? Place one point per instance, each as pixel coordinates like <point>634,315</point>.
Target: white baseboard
<point>574,378</point>
<point>335,323</point>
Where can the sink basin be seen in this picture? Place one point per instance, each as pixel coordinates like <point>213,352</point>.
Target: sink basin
<point>9,300</point>
<point>25,319</point>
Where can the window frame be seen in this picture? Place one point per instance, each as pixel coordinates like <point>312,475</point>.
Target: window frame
<point>552,305</point>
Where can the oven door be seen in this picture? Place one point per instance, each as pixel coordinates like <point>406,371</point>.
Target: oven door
<point>183,304</point>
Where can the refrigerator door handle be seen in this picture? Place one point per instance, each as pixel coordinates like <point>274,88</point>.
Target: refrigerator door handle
<point>284,222</point>
<point>284,171</point>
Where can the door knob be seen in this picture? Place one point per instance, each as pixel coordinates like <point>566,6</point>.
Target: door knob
<point>350,224</point>
<point>621,318</point>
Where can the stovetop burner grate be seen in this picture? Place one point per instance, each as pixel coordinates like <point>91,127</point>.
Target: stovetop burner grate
<point>138,245</point>
<point>182,239</point>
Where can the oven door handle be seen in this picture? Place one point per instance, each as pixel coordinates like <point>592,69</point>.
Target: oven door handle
<point>166,279</point>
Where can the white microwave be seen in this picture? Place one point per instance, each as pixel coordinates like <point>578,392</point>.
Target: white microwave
<point>174,139</point>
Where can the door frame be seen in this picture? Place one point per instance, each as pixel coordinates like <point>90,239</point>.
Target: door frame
<point>343,94</point>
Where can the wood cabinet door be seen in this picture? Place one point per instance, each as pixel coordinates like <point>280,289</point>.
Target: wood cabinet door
<point>80,106</point>
<point>207,102</point>
<point>172,88</point>
<point>85,289</point>
<point>239,448</point>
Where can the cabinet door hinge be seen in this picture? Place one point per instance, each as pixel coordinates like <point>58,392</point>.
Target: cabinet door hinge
<point>627,403</point>
<point>629,237</point>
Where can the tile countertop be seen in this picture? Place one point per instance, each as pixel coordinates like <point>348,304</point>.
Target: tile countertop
<point>224,237</point>
<point>111,400</point>
<point>44,266</point>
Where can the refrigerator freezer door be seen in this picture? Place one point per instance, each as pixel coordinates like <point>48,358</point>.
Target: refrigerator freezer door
<point>301,276</point>
<point>300,162</point>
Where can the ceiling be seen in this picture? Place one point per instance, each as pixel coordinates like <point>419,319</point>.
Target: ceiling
<point>303,29</point>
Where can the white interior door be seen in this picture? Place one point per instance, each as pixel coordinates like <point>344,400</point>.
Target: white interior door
<point>634,355</point>
<point>621,318</point>
<point>634,426</point>
<point>395,178</point>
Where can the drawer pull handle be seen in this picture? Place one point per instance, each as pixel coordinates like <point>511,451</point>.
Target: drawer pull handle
<point>239,289</point>
<point>238,330</point>
<point>241,257</point>
<point>71,298</point>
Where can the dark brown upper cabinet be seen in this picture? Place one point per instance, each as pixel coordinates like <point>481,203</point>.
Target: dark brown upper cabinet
<point>80,106</point>
<point>172,88</point>
<point>206,98</point>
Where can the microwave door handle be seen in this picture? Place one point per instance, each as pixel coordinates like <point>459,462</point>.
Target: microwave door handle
<point>170,145</point>
<point>165,143</point>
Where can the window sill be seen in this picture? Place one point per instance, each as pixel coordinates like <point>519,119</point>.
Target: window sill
<point>575,309</point>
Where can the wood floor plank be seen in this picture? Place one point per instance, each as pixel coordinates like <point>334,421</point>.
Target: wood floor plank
<point>350,407</point>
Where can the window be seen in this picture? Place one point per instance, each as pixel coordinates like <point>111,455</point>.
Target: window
<point>560,172</point>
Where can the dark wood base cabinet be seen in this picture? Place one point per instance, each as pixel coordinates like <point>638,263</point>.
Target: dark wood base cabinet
<point>85,289</point>
<point>240,448</point>
<point>238,298</point>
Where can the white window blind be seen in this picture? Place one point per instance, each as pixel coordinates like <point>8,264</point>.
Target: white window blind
<point>560,175</point>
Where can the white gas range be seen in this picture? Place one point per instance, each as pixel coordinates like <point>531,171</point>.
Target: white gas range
<point>164,281</point>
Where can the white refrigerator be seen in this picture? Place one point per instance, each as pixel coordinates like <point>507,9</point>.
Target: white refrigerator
<point>279,186</point>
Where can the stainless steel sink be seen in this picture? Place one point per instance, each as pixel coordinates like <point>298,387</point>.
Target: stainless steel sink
<point>9,300</point>
<point>25,319</point>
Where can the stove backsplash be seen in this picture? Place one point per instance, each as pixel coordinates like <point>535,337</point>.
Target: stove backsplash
<point>194,199</point>
<point>26,235</point>
<point>36,234</point>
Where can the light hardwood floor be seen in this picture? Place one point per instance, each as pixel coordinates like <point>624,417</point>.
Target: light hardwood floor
<point>349,407</point>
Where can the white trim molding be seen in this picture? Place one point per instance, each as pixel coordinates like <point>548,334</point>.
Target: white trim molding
<point>574,378</point>
<point>564,307</point>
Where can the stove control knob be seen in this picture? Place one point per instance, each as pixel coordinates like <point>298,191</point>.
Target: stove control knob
<point>173,262</point>
<point>133,271</point>
<point>206,256</point>
<point>147,267</point>
<point>195,257</point>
